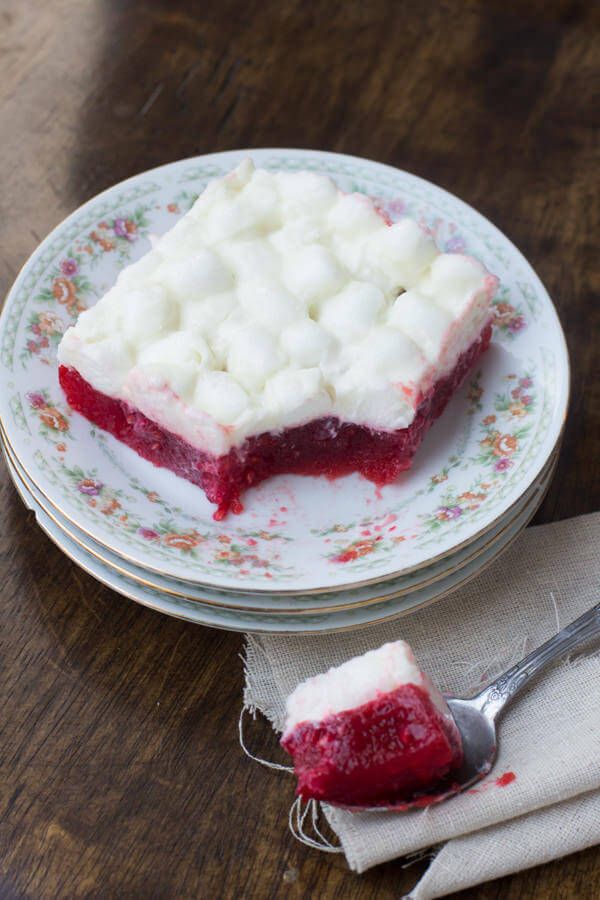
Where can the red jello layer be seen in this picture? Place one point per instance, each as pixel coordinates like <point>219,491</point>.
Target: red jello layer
<point>323,446</point>
<point>390,749</point>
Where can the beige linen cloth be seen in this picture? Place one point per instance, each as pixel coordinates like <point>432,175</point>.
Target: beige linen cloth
<point>549,736</point>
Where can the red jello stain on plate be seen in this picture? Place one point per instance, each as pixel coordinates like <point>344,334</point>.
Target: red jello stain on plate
<point>506,779</point>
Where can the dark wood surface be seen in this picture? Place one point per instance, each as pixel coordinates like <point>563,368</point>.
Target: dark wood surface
<point>120,772</point>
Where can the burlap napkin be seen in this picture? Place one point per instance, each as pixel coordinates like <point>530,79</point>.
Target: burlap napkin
<point>549,737</point>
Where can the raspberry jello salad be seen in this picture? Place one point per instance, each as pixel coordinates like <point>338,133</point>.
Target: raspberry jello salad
<point>280,326</point>
<point>373,731</point>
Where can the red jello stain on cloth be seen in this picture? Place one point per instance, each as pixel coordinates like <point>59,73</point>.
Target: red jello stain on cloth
<point>324,446</point>
<point>384,751</point>
<point>506,779</point>
<point>501,781</point>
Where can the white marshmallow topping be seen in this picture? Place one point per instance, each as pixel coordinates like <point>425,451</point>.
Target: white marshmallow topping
<point>277,299</point>
<point>356,682</point>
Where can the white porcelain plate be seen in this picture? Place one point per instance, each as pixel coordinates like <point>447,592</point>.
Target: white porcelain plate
<point>273,620</point>
<point>296,604</point>
<point>295,534</point>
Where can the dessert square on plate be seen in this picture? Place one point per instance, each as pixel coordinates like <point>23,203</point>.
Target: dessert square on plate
<point>280,326</point>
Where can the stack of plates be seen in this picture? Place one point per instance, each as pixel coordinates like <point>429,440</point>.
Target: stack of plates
<point>306,554</point>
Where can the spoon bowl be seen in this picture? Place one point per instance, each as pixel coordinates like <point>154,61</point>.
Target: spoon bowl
<point>478,733</point>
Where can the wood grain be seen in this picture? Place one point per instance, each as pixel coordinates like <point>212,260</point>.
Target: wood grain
<point>120,773</point>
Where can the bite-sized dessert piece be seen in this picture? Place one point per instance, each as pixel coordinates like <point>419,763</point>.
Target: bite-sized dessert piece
<point>372,731</point>
<point>279,326</point>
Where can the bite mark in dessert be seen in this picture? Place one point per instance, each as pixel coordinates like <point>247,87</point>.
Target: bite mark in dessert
<point>280,326</point>
<point>372,731</point>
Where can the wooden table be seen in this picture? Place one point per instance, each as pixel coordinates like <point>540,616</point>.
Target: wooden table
<point>120,772</point>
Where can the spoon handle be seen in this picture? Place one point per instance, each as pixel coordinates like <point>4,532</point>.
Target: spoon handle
<point>496,695</point>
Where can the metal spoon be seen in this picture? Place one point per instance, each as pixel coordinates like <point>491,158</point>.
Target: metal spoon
<point>476,716</point>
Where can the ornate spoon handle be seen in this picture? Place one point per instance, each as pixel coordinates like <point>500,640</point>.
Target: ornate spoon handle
<point>496,695</point>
